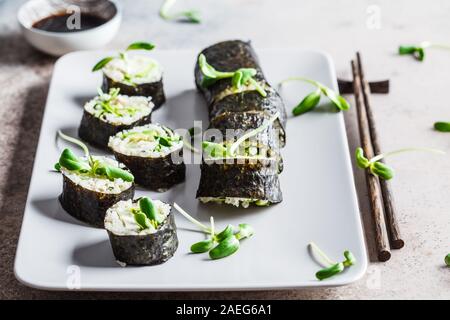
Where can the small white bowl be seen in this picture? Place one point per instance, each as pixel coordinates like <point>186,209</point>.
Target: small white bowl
<point>59,43</point>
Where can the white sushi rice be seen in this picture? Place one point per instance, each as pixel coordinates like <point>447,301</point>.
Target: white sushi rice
<point>133,69</point>
<point>98,184</point>
<point>142,107</point>
<point>237,202</point>
<point>133,146</point>
<point>120,219</point>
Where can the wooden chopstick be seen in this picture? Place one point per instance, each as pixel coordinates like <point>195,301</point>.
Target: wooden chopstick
<point>376,202</point>
<point>395,237</point>
<point>346,87</point>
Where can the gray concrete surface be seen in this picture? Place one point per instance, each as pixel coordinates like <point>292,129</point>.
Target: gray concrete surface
<point>419,96</point>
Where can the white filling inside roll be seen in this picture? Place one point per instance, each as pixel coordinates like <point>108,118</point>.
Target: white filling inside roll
<point>133,69</point>
<point>120,219</point>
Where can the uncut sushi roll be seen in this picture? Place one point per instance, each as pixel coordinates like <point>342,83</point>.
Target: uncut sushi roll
<point>153,153</point>
<point>109,113</point>
<point>141,232</point>
<point>91,186</point>
<point>134,74</point>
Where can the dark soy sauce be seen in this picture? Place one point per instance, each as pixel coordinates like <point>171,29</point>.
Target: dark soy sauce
<point>58,22</point>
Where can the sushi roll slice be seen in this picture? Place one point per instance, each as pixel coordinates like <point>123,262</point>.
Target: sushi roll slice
<point>142,232</point>
<point>92,185</point>
<point>109,113</point>
<point>228,56</point>
<point>153,153</point>
<point>134,74</point>
<point>241,182</point>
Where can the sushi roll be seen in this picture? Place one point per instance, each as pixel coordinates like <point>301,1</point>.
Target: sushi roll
<point>109,113</point>
<point>141,232</point>
<point>92,185</point>
<point>241,170</point>
<point>240,182</point>
<point>134,74</point>
<point>153,153</point>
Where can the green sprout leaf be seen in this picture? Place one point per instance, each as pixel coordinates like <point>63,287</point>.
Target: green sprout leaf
<point>225,248</point>
<point>141,46</point>
<point>141,220</point>
<point>381,170</point>
<point>308,103</point>
<point>447,260</point>
<point>330,271</point>
<point>202,246</point>
<point>361,160</point>
<point>311,100</point>
<point>349,259</point>
<point>102,63</point>
<point>118,173</point>
<point>442,126</point>
<point>148,208</point>
<point>225,233</point>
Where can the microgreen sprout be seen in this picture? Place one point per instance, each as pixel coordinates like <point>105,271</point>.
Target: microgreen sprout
<point>192,16</point>
<point>219,244</point>
<point>418,51</point>
<point>122,55</point>
<point>147,214</point>
<point>332,268</point>
<point>90,166</point>
<point>217,150</point>
<point>239,78</point>
<point>107,103</point>
<point>442,126</point>
<point>312,99</point>
<point>380,169</point>
<point>447,260</point>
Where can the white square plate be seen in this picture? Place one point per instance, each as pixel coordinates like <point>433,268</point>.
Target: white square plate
<point>57,252</point>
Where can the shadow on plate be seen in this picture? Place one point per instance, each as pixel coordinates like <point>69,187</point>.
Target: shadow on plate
<point>185,108</point>
<point>96,255</point>
<point>81,100</point>
<point>51,208</point>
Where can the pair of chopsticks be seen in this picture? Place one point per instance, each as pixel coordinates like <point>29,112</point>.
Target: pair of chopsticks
<point>387,232</point>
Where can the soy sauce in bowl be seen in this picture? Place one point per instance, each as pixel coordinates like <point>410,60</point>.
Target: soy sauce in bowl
<point>64,23</point>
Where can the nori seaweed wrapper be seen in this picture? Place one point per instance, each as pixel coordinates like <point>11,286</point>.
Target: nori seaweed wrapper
<point>252,180</point>
<point>148,249</point>
<point>242,122</point>
<point>251,101</point>
<point>154,90</point>
<point>87,205</point>
<point>158,174</point>
<point>97,132</point>
<point>227,56</point>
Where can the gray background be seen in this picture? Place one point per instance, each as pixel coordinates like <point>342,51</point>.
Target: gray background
<point>418,98</point>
